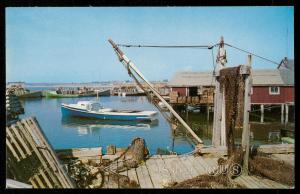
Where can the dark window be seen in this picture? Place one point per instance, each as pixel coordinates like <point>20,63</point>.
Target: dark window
<point>193,91</point>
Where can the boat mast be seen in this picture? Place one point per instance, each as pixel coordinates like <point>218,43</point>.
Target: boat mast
<point>129,65</point>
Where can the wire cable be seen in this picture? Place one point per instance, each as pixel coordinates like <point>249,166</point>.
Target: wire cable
<point>167,46</point>
<point>251,53</point>
<point>196,47</point>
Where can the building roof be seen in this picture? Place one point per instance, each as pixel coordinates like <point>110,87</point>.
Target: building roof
<point>188,78</point>
<point>260,78</point>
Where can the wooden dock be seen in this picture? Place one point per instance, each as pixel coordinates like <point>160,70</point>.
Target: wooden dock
<point>256,182</point>
<point>161,170</point>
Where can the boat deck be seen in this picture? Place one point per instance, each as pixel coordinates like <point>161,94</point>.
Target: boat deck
<point>159,170</point>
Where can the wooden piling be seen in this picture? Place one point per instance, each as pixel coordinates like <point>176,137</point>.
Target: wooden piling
<point>246,125</point>
<point>282,113</point>
<point>286,113</point>
<point>261,113</point>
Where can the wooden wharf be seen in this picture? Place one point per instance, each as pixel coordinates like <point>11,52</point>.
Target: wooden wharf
<point>159,171</point>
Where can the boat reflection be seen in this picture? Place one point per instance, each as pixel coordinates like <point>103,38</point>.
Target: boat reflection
<point>86,126</point>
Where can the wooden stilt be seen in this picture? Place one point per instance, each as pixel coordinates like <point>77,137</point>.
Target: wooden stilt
<point>207,113</point>
<point>216,137</point>
<point>286,113</point>
<point>261,113</point>
<point>246,125</point>
<point>223,119</point>
<point>282,113</point>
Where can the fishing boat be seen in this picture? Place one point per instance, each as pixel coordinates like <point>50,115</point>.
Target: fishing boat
<point>54,94</point>
<point>93,109</point>
<point>93,93</point>
<point>74,94</point>
<point>21,92</point>
<point>34,94</point>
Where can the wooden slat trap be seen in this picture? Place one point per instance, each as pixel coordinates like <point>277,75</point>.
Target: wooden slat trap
<point>31,159</point>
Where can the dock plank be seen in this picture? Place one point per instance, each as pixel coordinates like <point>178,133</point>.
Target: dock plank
<point>189,166</point>
<point>200,169</point>
<point>154,173</point>
<point>260,182</point>
<point>144,177</point>
<point>163,171</point>
<point>203,163</point>
<point>132,175</point>
<point>255,183</point>
<point>276,184</point>
<point>177,169</point>
<point>212,162</point>
<point>242,180</point>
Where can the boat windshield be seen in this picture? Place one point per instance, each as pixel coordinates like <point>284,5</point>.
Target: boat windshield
<point>95,106</point>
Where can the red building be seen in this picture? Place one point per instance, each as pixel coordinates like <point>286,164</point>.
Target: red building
<point>269,87</point>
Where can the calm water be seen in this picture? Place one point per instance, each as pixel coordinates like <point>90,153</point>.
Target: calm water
<point>78,132</point>
<point>72,133</point>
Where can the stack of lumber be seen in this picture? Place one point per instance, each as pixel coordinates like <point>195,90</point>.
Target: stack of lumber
<point>173,96</point>
<point>189,99</point>
<point>181,99</point>
<point>195,99</point>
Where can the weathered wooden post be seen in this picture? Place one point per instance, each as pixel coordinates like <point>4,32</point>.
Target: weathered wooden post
<point>286,113</point>
<point>261,113</point>
<point>219,132</point>
<point>207,113</point>
<point>282,113</point>
<point>246,126</point>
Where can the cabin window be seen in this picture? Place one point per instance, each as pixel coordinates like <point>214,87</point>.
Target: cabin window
<point>274,90</point>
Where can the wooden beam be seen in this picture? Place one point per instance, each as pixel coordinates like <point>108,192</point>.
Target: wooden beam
<point>246,125</point>
<point>131,66</point>
<point>276,149</point>
<point>286,113</point>
<point>282,113</point>
<point>220,150</point>
<point>261,113</point>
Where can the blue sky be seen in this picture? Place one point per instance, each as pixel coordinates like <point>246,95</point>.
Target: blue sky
<point>70,44</point>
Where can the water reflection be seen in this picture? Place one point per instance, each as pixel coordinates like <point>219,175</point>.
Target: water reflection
<point>86,126</point>
<point>261,133</point>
